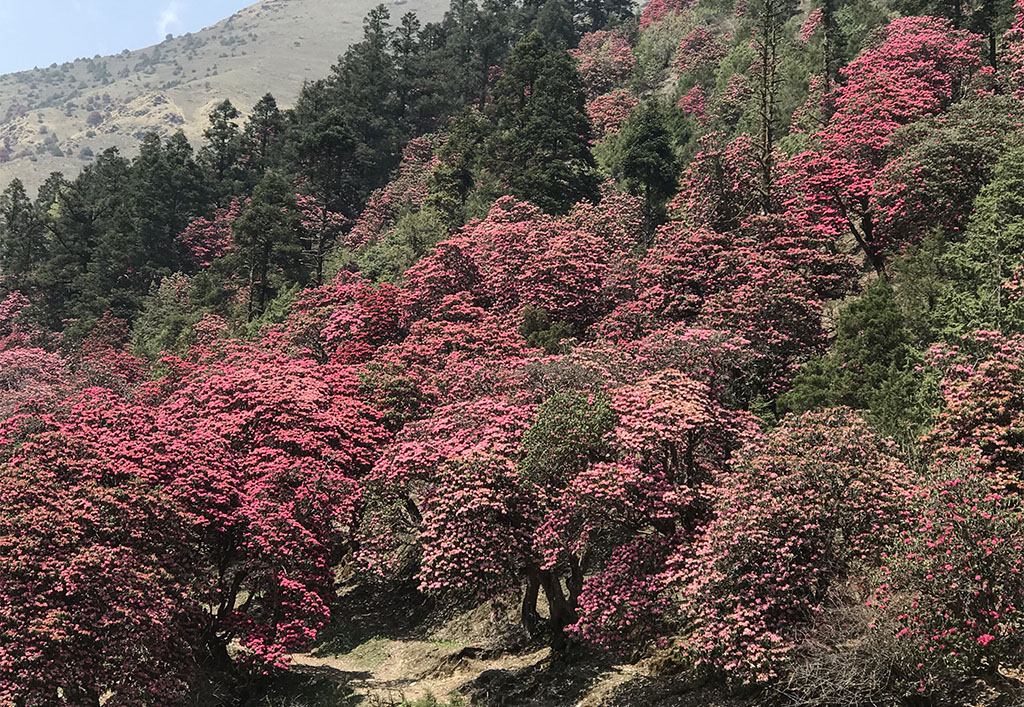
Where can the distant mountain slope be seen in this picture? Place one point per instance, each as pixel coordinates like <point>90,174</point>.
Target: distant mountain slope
<point>54,119</point>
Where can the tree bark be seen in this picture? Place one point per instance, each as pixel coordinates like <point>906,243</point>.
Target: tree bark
<point>528,612</point>
<point>561,614</point>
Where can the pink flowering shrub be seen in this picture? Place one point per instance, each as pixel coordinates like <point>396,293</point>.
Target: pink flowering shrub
<point>719,189</point>
<point>625,605</point>
<point>93,573</point>
<point>955,581</point>
<point>605,60</point>
<point>608,111</point>
<point>982,389</point>
<point>207,239</point>
<point>657,10</point>
<point>818,498</point>
<point>264,453</point>
<point>699,54</point>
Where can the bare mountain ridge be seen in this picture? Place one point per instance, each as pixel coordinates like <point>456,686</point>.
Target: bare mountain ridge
<point>57,118</point>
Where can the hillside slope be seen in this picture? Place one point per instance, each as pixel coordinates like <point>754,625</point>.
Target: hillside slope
<point>54,119</point>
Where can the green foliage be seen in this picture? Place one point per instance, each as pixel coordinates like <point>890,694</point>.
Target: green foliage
<point>569,432</point>
<point>644,159</point>
<point>268,235</point>
<point>223,146</point>
<point>542,333</point>
<point>452,181</point>
<point>414,233</point>
<point>540,143</point>
<point>263,139</point>
<point>329,158</point>
<point>167,191</point>
<point>872,366</point>
<point>166,320</point>
<point>654,50</point>
<point>856,21</point>
<point>22,237</point>
<point>984,268</point>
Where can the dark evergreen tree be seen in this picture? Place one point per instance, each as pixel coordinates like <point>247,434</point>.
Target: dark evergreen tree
<point>91,264</point>
<point>165,193</point>
<point>872,366</point>
<point>262,138</point>
<point>555,23</point>
<point>540,145</point>
<point>22,237</point>
<point>222,149</point>
<point>269,235</point>
<point>330,165</point>
<point>452,181</point>
<point>646,160</point>
<point>597,14</point>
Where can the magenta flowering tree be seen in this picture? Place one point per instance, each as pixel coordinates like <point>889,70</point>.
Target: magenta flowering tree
<point>447,270</point>
<point>461,352</point>
<point>609,110</point>
<point>94,572</point>
<point>818,498</point>
<point>27,371</point>
<point>264,453</point>
<point>917,67</point>
<point>345,320</point>
<point>460,457</point>
<point>767,281</point>
<point>699,54</point>
<point>670,440</point>
<point>658,10</point>
<point>717,189</point>
<point>605,60</point>
<point>955,580</point>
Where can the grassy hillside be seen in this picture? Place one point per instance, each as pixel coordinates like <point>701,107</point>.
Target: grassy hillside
<point>56,118</point>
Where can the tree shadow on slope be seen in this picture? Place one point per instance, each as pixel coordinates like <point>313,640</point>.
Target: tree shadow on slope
<point>358,616</point>
<point>675,691</point>
<point>561,680</point>
<point>582,674</point>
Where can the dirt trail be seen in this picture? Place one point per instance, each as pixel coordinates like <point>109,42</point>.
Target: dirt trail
<point>393,671</point>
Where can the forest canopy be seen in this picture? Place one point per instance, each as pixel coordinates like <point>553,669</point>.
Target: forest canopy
<point>692,330</point>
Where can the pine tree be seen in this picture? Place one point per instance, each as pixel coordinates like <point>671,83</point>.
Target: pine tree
<point>165,193</point>
<point>268,233</point>
<point>646,160</point>
<point>22,236</point>
<point>223,148</point>
<point>330,164</point>
<point>541,141</point>
<point>871,367</point>
<point>262,137</point>
<point>990,256</point>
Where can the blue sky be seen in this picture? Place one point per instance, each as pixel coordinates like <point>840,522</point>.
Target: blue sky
<point>40,32</point>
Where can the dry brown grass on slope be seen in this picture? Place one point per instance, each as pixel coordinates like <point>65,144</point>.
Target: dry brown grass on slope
<point>92,104</point>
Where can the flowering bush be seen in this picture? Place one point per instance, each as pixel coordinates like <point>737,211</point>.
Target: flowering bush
<point>608,111</point>
<point>956,579</point>
<point>818,498</point>
<point>605,60</point>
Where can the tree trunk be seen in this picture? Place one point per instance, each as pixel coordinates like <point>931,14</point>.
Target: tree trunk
<point>830,46</point>
<point>768,49</point>
<point>561,613</point>
<point>528,612</point>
